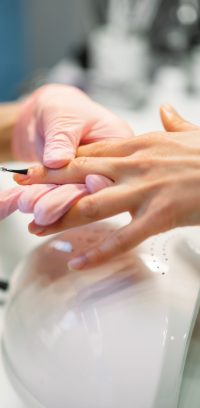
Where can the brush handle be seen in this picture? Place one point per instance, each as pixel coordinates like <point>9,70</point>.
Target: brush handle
<point>21,171</point>
<point>4,285</point>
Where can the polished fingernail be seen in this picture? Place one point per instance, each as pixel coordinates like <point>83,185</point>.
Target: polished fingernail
<point>22,179</point>
<point>77,263</point>
<point>25,178</point>
<point>37,231</point>
<point>169,111</point>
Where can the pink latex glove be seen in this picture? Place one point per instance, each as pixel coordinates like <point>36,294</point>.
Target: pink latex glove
<point>47,202</point>
<point>56,119</point>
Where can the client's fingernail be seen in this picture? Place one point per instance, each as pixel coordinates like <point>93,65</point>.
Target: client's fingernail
<point>77,263</point>
<point>24,178</point>
<point>169,111</point>
<point>21,180</point>
<point>37,230</point>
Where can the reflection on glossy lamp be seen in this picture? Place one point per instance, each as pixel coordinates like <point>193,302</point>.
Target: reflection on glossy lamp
<point>116,336</point>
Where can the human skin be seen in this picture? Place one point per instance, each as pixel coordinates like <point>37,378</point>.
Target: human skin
<point>49,126</point>
<point>155,177</point>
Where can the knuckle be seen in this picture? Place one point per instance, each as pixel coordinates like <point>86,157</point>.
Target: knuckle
<point>125,163</point>
<point>121,243</point>
<point>80,162</point>
<point>41,215</point>
<point>140,162</point>
<point>165,215</point>
<point>148,162</point>
<point>118,169</point>
<point>115,165</point>
<point>156,136</point>
<point>170,211</point>
<point>153,138</point>
<point>96,255</point>
<point>88,209</point>
<point>130,144</point>
<point>102,148</point>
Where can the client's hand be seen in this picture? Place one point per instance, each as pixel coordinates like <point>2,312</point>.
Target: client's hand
<point>56,119</point>
<point>156,178</point>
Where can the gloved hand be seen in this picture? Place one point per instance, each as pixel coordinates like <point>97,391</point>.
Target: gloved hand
<point>56,119</point>
<point>48,202</point>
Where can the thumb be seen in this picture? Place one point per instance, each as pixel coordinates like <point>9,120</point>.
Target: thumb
<point>173,122</point>
<point>59,149</point>
<point>61,142</point>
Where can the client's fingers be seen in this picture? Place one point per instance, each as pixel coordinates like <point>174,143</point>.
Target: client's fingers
<point>121,241</point>
<point>120,148</point>
<point>75,172</point>
<point>173,122</point>
<point>105,203</point>
<point>110,148</point>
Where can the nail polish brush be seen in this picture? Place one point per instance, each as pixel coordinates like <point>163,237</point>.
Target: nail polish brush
<point>22,171</point>
<point>4,284</point>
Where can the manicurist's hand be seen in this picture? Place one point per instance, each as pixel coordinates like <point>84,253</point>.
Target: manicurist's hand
<point>156,177</point>
<point>56,119</point>
<point>49,126</point>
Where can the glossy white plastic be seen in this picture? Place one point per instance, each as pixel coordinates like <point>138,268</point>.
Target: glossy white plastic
<point>116,336</point>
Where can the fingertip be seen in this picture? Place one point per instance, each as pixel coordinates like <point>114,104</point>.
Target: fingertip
<point>167,111</point>
<point>56,163</point>
<point>167,107</point>
<point>17,179</point>
<point>171,120</point>
<point>21,180</point>
<point>31,226</point>
<point>58,158</point>
<point>36,229</point>
<point>95,182</point>
<point>77,263</point>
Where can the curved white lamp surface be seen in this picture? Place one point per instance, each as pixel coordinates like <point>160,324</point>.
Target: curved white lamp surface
<point>116,336</point>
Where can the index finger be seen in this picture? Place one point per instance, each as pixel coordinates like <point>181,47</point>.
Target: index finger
<point>75,172</point>
<point>113,148</point>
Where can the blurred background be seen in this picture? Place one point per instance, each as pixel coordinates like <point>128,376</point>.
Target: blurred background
<point>125,53</point>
